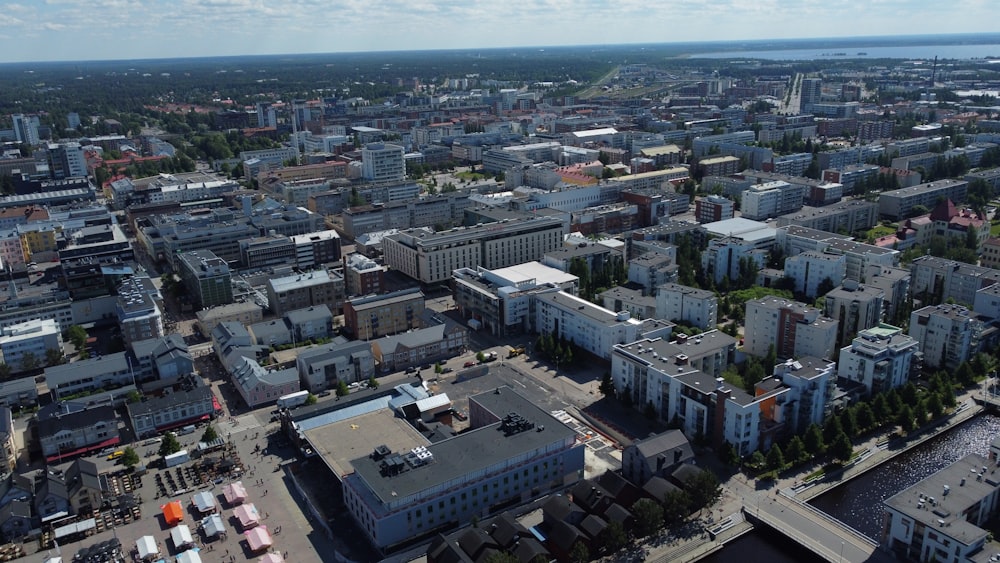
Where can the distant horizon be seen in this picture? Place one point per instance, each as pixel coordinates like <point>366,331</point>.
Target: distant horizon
<point>734,46</point>
<point>114,30</point>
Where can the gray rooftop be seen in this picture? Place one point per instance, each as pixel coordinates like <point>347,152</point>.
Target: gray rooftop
<point>471,451</point>
<point>581,307</point>
<point>966,490</point>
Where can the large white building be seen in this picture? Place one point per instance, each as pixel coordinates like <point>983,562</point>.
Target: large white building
<point>431,257</point>
<point>809,269</point>
<point>948,334</point>
<point>591,327</point>
<point>697,307</point>
<point>383,162</point>
<point>880,358</point>
<point>794,329</point>
<point>34,337</point>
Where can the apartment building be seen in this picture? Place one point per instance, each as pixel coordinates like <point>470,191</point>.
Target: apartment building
<point>770,199</point>
<point>712,208</point>
<point>383,162</point>
<point>793,329</point>
<point>139,310</point>
<point>848,216</point>
<point>593,328</point>
<point>697,307</point>
<point>880,358</point>
<point>323,367</point>
<point>31,339</point>
<point>363,276</point>
<point>811,268</point>
<point>944,279</point>
<point>902,203</point>
<point>948,334</point>
<point>855,306</point>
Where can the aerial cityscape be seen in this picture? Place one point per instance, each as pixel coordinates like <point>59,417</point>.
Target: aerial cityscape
<point>703,300</point>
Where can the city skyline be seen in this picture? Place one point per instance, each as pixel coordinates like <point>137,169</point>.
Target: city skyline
<point>75,30</point>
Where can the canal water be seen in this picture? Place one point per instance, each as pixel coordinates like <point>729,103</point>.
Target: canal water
<point>858,503</point>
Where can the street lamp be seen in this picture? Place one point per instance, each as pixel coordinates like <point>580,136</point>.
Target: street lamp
<point>841,552</point>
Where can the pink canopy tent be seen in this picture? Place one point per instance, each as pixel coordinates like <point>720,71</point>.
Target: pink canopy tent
<point>271,558</point>
<point>247,515</point>
<point>235,493</point>
<point>258,538</point>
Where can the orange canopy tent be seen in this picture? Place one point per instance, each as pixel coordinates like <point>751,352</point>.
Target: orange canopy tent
<point>173,512</point>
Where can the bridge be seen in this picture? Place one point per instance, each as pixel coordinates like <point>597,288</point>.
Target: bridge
<point>813,529</point>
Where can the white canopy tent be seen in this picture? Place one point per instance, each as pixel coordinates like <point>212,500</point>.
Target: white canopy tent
<point>204,502</point>
<point>181,535</point>
<point>146,545</point>
<point>189,556</point>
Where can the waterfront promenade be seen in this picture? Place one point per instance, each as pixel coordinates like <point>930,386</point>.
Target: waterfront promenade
<point>781,504</point>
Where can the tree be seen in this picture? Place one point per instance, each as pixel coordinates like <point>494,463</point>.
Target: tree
<point>757,460</point>
<point>607,387</point>
<point>5,370</point>
<point>130,459</point>
<point>881,408</point>
<point>920,413</point>
<point>29,361</point>
<point>775,458</point>
<point>905,418</point>
<point>813,440</point>
<point>796,450</point>
<point>133,396</point>
<point>54,357</point>
<point>831,428</point>
<point>648,517</point>
<point>342,389</point>
<point>965,375</point>
<point>169,445</point>
<point>935,405</point>
<point>848,422</point>
<point>842,449</point>
<point>579,553</point>
<point>372,383</point>
<point>865,417</point>
<point>676,507</point>
<point>437,367</point>
<point>704,489</point>
<point>614,537</point>
<point>210,435</point>
<point>311,399</point>
<point>728,455</point>
<point>480,357</point>
<point>78,336</point>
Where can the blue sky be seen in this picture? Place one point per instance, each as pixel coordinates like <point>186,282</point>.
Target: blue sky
<point>39,30</point>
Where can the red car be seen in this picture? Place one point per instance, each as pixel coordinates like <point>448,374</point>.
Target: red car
<point>469,364</point>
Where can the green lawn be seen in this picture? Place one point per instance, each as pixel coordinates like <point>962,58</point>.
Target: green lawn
<point>995,229</point>
<point>470,176</point>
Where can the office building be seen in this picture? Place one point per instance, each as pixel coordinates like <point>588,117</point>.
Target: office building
<point>206,277</point>
<point>712,208</point>
<point>29,341</point>
<point>431,257</point>
<point>139,310</point>
<point>25,129</point>
<point>367,318</point>
<point>300,291</point>
<point>383,162</point>
<point>363,276</point>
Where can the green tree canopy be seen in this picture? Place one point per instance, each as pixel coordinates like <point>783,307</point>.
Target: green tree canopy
<point>169,445</point>
<point>130,459</point>
<point>210,434</point>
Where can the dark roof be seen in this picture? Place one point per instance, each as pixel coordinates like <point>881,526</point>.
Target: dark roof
<point>527,550</point>
<point>563,535</point>
<point>591,497</point>
<point>507,531</point>
<point>617,513</point>
<point>658,487</point>
<point>446,550</point>
<point>469,451</point>
<point>622,489</point>
<point>665,443</point>
<point>593,525</point>
<point>474,540</point>
<point>558,508</point>
<point>172,399</point>
<point>54,420</point>
<point>683,474</point>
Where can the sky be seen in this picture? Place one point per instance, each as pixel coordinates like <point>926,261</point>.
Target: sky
<point>58,30</point>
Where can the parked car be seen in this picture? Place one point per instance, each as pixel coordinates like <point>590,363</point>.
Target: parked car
<point>469,364</point>
<point>447,370</point>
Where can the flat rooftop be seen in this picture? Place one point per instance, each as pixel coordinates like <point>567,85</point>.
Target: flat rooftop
<point>535,271</point>
<point>352,438</point>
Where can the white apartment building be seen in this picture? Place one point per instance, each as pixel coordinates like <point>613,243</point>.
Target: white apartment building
<point>880,358</point>
<point>948,334</point>
<point>722,257</point>
<point>591,327</point>
<point>383,162</point>
<point>811,383</point>
<point>770,199</point>
<point>33,337</point>
<point>810,268</point>
<point>431,257</point>
<point>794,329</point>
<point>677,302</point>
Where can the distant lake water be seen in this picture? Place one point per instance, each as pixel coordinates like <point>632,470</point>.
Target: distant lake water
<point>985,51</point>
